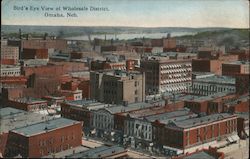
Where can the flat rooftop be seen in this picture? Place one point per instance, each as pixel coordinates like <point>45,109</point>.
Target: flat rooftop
<point>205,98</point>
<point>238,62</point>
<point>216,79</point>
<point>88,104</point>
<point>9,112</point>
<point>30,100</point>
<point>193,122</point>
<point>169,115</point>
<point>44,126</point>
<point>242,98</point>
<point>129,107</point>
<point>19,118</point>
<point>98,152</point>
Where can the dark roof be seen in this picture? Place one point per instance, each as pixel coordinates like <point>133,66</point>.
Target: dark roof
<point>98,152</point>
<point>200,155</point>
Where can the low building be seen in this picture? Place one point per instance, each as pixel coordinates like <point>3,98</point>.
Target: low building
<point>10,70</point>
<point>117,87</point>
<point>138,131</point>
<point>28,104</point>
<point>44,138</point>
<point>208,104</point>
<point>12,118</point>
<point>104,121</point>
<point>239,104</point>
<point>212,84</point>
<point>81,110</point>
<point>188,135</point>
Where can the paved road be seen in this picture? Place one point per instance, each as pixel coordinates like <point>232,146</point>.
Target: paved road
<point>237,151</point>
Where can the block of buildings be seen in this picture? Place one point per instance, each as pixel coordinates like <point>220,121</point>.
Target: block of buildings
<point>81,110</point>
<point>182,136</point>
<point>117,87</point>
<point>44,138</point>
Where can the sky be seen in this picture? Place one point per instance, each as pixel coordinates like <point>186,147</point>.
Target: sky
<point>136,13</point>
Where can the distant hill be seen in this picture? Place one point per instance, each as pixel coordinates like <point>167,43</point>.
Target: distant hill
<point>76,30</point>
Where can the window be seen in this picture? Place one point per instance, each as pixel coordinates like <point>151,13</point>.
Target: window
<point>136,99</point>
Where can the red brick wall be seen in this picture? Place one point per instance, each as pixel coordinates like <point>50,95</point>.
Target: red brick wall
<point>45,44</point>
<point>230,70</point>
<point>85,87</point>
<point>197,107</point>
<point>200,65</point>
<point>72,138</point>
<point>8,61</point>
<point>16,144</point>
<point>3,141</point>
<point>32,147</point>
<point>35,54</point>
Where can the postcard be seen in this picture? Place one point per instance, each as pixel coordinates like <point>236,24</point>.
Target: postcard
<point>124,79</point>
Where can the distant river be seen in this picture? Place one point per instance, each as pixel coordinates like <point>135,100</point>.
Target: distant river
<point>126,36</point>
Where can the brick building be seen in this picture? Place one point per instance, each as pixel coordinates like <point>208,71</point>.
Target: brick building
<point>242,83</point>
<point>81,110</point>
<point>211,84</point>
<point>106,65</point>
<point>243,125</point>
<point>28,104</point>
<point>116,86</point>
<point>235,68</point>
<point>206,65</point>
<point>35,53</point>
<point>243,55</point>
<point>9,55</point>
<point>42,139</point>
<point>181,136</point>
<point>169,42</point>
<point>239,104</point>
<point>10,70</point>
<point>163,74</point>
<point>12,118</point>
<point>208,104</point>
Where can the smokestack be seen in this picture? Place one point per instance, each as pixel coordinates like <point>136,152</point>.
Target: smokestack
<point>20,33</point>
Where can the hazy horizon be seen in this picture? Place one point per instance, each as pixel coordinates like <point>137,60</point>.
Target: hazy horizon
<point>125,13</point>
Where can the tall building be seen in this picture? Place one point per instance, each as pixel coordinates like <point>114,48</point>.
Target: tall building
<point>9,55</point>
<point>169,75</point>
<point>118,87</point>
